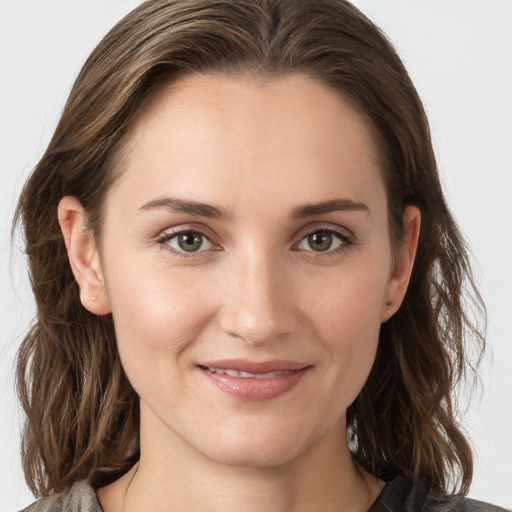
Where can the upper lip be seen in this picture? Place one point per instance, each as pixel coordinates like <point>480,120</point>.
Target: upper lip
<point>245,365</point>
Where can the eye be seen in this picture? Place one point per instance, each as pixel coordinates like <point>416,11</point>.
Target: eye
<point>186,242</point>
<point>323,240</point>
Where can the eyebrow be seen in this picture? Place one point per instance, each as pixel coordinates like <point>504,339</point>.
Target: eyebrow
<point>191,207</point>
<point>334,205</point>
<point>217,212</point>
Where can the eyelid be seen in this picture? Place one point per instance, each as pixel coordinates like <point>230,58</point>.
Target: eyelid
<point>170,233</point>
<point>344,235</point>
<point>310,229</point>
<point>184,228</point>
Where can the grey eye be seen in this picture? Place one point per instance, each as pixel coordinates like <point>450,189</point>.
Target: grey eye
<point>320,241</point>
<point>189,241</point>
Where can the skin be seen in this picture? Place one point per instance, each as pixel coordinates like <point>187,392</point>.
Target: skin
<point>257,289</point>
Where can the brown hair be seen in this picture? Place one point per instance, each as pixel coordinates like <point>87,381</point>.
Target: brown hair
<point>82,414</point>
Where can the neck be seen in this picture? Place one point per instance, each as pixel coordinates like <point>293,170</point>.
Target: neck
<point>172,476</point>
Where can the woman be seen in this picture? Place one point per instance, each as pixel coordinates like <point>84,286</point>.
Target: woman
<point>249,285</point>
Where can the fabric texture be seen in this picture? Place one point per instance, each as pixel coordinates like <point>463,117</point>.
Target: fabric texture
<point>81,497</point>
<point>397,496</point>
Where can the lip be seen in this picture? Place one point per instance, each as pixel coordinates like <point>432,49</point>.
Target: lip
<point>252,388</point>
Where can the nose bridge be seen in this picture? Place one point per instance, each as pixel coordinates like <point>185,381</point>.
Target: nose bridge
<point>258,305</point>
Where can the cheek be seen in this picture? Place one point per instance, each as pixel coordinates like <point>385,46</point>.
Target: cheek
<point>157,315</point>
<point>347,321</point>
<point>350,302</point>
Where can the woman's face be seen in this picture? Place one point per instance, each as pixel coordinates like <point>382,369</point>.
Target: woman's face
<point>247,264</point>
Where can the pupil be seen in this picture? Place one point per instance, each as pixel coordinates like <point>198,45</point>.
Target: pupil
<point>320,241</point>
<point>190,242</point>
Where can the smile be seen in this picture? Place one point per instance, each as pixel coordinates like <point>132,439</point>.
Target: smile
<point>247,375</point>
<point>254,381</point>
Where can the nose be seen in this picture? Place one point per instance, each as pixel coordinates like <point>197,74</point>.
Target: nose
<point>258,302</point>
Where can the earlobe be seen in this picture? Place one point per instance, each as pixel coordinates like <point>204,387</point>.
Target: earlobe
<point>83,256</point>
<point>403,263</point>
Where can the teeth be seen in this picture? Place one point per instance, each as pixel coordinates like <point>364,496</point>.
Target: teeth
<point>247,375</point>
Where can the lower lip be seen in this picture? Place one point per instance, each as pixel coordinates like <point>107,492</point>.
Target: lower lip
<point>256,389</point>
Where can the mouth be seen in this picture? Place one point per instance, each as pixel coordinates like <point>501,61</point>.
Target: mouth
<point>248,375</point>
<point>254,381</point>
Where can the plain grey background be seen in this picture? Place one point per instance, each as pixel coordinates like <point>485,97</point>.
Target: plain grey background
<point>459,54</point>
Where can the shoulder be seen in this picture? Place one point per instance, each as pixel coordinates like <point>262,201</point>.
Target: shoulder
<point>79,498</point>
<point>399,495</point>
<point>470,505</point>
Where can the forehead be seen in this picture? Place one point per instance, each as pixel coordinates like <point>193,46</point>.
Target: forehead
<point>221,136</point>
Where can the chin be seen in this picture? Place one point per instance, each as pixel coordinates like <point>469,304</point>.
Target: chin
<point>258,448</point>
<point>254,457</point>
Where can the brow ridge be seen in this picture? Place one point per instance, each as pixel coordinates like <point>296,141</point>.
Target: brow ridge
<point>217,212</point>
<point>191,207</point>
<point>333,205</point>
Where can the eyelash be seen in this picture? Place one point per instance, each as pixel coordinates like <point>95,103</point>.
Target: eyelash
<point>345,239</point>
<point>164,239</point>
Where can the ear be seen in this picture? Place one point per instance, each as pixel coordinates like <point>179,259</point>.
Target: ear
<point>403,263</point>
<point>83,256</point>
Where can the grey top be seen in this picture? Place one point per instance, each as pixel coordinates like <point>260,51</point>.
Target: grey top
<point>397,496</point>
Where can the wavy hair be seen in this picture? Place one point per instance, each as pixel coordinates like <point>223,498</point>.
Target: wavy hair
<point>82,415</point>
